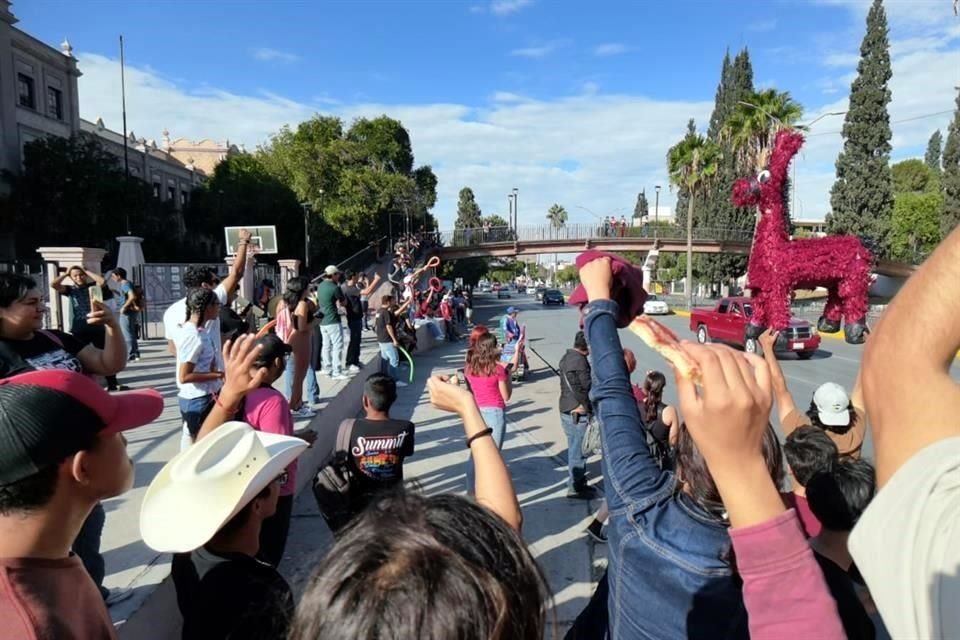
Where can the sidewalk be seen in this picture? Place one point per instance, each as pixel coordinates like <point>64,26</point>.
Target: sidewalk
<point>553,525</point>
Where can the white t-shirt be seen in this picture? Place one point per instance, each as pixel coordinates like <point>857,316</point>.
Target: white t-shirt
<point>176,315</point>
<point>196,346</point>
<point>907,545</point>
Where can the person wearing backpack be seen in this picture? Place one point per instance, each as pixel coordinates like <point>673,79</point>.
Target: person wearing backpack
<point>363,456</point>
<point>267,410</point>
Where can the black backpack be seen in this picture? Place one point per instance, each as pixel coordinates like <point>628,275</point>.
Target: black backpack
<point>332,484</point>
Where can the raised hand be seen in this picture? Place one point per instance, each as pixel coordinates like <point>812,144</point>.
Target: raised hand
<point>240,378</point>
<point>244,235</point>
<point>100,315</point>
<point>449,396</point>
<point>768,339</point>
<point>597,278</point>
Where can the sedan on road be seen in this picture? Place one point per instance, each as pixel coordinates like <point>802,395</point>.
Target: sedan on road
<point>552,296</point>
<point>654,306</point>
<point>503,292</point>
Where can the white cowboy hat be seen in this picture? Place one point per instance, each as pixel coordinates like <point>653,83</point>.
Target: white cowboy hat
<point>201,488</point>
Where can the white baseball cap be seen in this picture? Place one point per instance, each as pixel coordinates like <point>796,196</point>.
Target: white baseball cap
<point>203,487</point>
<point>331,270</point>
<point>833,404</point>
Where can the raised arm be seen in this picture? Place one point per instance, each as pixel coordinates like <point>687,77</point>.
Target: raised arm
<point>494,488</point>
<point>372,286</point>
<point>628,465</point>
<point>240,378</point>
<point>785,403</point>
<point>910,397</point>
<point>58,286</point>
<point>113,357</point>
<point>239,263</point>
<point>96,277</point>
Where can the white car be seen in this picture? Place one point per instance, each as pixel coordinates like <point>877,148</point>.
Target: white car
<point>654,306</point>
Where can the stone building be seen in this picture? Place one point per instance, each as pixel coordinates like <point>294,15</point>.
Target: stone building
<point>205,154</point>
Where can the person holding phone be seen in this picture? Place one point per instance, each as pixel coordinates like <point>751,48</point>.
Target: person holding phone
<point>129,312</point>
<point>84,288</point>
<point>198,377</point>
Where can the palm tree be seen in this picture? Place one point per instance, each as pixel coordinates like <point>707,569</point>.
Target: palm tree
<point>557,216</point>
<point>691,163</point>
<point>754,123</point>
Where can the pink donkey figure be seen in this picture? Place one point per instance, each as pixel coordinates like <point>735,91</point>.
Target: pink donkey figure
<point>779,265</point>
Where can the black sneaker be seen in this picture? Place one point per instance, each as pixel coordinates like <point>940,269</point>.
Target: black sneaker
<point>596,532</point>
<point>583,493</point>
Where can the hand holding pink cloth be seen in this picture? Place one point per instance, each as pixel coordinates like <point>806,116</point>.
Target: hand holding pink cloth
<point>627,290</point>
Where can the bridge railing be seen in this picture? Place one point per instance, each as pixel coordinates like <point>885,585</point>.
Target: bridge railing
<point>474,236</point>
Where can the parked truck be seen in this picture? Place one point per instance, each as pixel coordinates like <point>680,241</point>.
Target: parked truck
<point>727,323</point>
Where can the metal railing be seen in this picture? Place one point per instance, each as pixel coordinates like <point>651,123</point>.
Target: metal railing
<point>587,231</point>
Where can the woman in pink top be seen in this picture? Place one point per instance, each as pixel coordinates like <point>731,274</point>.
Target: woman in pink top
<point>489,381</point>
<point>267,410</point>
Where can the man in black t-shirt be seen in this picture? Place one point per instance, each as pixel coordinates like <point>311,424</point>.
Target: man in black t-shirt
<point>378,443</point>
<point>354,308</point>
<point>387,337</point>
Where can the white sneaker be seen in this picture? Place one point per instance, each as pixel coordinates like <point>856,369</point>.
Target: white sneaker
<point>340,376</point>
<point>401,383</point>
<point>303,412</point>
<point>353,369</point>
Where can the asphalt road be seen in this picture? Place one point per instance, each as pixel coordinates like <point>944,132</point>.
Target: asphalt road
<point>550,331</point>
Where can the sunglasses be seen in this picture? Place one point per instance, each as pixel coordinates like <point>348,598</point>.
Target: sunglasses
<point>283,477</point>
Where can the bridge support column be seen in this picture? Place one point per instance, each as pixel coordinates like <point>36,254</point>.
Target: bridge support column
<point>649,269</point>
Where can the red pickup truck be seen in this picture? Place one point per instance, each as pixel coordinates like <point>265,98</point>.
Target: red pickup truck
<point>727,322</point>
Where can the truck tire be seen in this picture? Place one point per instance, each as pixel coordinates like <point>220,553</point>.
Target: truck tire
<point>702,336</point>
<point>751,345</point>
<point>805,355</point>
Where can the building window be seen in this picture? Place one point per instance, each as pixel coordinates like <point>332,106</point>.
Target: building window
<point>26,96</point>
<point>156,189</point>
<point>171,193</point>
<point>183,197</point>
<point>55,103</point>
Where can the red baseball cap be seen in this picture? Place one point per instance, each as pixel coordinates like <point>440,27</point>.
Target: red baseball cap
<point>40,426</point>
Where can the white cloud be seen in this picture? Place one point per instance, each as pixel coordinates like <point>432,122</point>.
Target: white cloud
<point>506,7</point>
<point>911,13</point>
<point>541,51</point>
<point>760,26</point>
<point>506,96</point>
<point>839,59</point>
<point>610,49</point>
<point>266,54</point>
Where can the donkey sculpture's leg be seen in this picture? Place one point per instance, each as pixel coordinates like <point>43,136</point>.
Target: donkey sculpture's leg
<point>833,311</point>
<point>758,321</point>
<point>854,290</point>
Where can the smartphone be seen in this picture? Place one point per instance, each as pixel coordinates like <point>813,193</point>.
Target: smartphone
<point>96,295</point>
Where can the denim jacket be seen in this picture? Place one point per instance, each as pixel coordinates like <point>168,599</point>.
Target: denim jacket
<point>670,566</point>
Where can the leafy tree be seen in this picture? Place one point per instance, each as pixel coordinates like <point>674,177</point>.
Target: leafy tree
<point>934,149</point>
<point>472,270</point>
<point>568,274</point>
<point>692,163</point>
<point>915,227</point>
<point>642,209</point>
<point>754,123</point>
<point>951,175</point>
<point>468,211</point>
<point>913,175</point>
<point>557,216</point>
<point>495,220</point>
<point>683,195</point>
<point>862,196</point>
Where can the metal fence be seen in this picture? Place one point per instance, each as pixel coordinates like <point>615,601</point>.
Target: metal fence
<point>163,285</point>
<point>479,235</point>
<point>37,270</point>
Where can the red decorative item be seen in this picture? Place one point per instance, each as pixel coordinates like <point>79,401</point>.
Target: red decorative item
<point>779,265</point>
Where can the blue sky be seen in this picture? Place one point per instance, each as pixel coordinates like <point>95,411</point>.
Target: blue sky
<point>572,102</point>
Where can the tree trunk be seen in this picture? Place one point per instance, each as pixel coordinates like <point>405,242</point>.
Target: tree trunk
<point>689,286</point>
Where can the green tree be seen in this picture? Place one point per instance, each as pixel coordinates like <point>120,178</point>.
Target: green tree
<point>754,123</point>
<point>934,149</point>
<point>641,210</point>
<point>683,195</point>
<point>913,175</point>
<point>950,178</point>
<point>861,200</point>
<point>568,274</point>
<point>692,163</point>
<point>468,211</point>
<point>472,270</point>
<point>557,216</point>
<point>915,227</point>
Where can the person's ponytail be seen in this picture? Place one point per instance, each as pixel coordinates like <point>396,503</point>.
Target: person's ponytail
<point>653,386</point>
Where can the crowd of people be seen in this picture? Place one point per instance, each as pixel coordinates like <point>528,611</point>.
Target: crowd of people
<point>715,527</point>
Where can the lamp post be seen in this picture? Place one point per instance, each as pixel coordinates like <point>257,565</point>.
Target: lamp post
<point>516,212</point>
<point>306,235</point>
<point>510,223</point>
<point>656,212</point>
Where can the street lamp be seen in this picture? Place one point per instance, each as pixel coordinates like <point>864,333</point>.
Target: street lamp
<point>510,223</point>
<point>656,211</point>
<point>516,210</point>
<point>306,235</point>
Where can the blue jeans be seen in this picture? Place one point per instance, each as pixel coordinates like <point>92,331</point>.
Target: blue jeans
<point>390,355</point>
<point>313,389</point>
<point>576,465</point>
<point>194,411</point>
<point>87,546</point>
<point>128,325</point>
<point>495,418</point>
<point>331,355</point>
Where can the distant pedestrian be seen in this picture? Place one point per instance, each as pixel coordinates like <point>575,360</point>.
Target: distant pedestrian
<point>353,305</point>
<point>198,375</point>
<point>129,313</point>
<point>388,339</point>
<point>330,299</point>
<point>295,326</point>
<point>575,413</point>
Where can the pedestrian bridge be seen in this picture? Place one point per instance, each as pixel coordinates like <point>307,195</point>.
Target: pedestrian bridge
<point>575,238</point>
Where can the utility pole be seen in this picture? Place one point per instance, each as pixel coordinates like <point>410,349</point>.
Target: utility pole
<point>123,108</point>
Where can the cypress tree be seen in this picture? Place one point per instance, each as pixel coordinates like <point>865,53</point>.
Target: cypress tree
<point>468,211</point>
<point>861,199</point>
<point>641,210</point>
<point>950,178</point>
<point>932,156</point>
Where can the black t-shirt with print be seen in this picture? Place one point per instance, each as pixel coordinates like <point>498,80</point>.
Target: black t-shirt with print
<point>384,319</point>
<point>353,306</point>
<point>45,350</point>
<point>377,451</point>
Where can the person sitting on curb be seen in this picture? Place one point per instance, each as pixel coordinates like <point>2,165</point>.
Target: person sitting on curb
<point>207,506</point>
<point>378,446</point>
<point>62,451</point>
<point>841,417</point>
<point>442,566</point>
<point>808,451</point>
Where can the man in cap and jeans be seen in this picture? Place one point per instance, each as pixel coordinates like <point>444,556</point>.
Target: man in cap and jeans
<point>207,506</point>
<point>329,299</point>
<point>61,451</point>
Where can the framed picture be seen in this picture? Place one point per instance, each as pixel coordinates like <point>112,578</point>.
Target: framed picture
<point>264,239</point>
